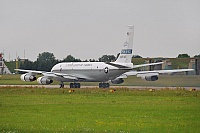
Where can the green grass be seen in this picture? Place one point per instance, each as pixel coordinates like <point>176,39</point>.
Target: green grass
<point>98,110</point>
<point>163,81</point>
<point>13,80</point>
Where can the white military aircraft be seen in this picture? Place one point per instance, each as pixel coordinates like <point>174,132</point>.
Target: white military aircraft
<point>102,72</point>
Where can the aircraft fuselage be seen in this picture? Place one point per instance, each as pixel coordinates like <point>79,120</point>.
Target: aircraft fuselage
<point>88,71</point>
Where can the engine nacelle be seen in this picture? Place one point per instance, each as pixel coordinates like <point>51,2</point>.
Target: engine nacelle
<point>117,81</point>
<point>150,78</point>
<point>27,77</point>
<point>44,80</point>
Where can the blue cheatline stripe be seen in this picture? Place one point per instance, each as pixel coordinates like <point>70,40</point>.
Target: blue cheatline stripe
<point>126,51</point>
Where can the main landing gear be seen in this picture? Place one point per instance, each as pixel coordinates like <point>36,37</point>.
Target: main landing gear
<point>78,85</point>
<point>72,85</point>
<point>104,85</point>
<point>75,85</point>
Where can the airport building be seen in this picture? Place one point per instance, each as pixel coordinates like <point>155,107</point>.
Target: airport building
<point>195,64</point>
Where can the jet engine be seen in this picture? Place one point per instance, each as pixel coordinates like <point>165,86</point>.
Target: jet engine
<point>117,81</point>
<point>150,78</point>
<point>44,80</point>
<point>27,77</point>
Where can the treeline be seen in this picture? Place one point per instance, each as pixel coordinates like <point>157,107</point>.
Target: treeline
<point>45,61</point>
<point>187,56</point>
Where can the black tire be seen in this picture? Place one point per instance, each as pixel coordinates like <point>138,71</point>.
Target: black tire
<point>107,85</point>
<point>104,85</point>
<point>100,85</point>
<point>77,85</point>
<point>71,85</point>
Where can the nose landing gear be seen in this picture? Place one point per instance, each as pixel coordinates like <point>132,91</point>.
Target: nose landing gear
<point>75,85</point>
<point>62,85</point>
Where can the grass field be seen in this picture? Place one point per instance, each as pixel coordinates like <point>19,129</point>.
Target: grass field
<point>163,81</point>
<point>98,110</point>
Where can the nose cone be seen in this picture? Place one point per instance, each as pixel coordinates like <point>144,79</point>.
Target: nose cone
<point>55,67</point>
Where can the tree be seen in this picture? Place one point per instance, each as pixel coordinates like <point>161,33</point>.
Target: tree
<point>27,65</point>
<point>70,58</point>
<point>183,56</point>
<point>197,56</point>
<point>46,61</point>
<point>107,58</point>
<point>92,60</point>
<point>136,56</point>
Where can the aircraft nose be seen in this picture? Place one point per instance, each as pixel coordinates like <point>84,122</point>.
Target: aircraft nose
<point>54,67</point>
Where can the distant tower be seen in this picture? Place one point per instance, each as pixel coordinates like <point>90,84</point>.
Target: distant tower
<point>9,57</point>
<point>24,54</point>
<point>1,63</point>
<point>17,63</point>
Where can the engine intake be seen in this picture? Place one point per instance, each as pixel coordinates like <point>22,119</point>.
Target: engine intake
<point>150,78</point>
<point>27,77</point>
<point>117,81</point>
<point>44,80</point>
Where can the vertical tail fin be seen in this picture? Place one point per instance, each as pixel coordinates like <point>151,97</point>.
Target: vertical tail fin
<point>127,52</point>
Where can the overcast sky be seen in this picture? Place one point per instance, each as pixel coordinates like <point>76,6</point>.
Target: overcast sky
<point>91,28</point>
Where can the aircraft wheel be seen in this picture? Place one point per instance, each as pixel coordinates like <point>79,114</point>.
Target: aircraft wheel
<point>71,85</point>
<point>104,85</point>
<point>77,85</point>
<point>107,85</point>
<point>100,85</point>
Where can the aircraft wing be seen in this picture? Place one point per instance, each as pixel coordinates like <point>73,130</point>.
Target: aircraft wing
<point>156,72</point>
<point>52,74</point>
<point>34,72</point>
<point>152,73</point>
<point>149,64</point>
